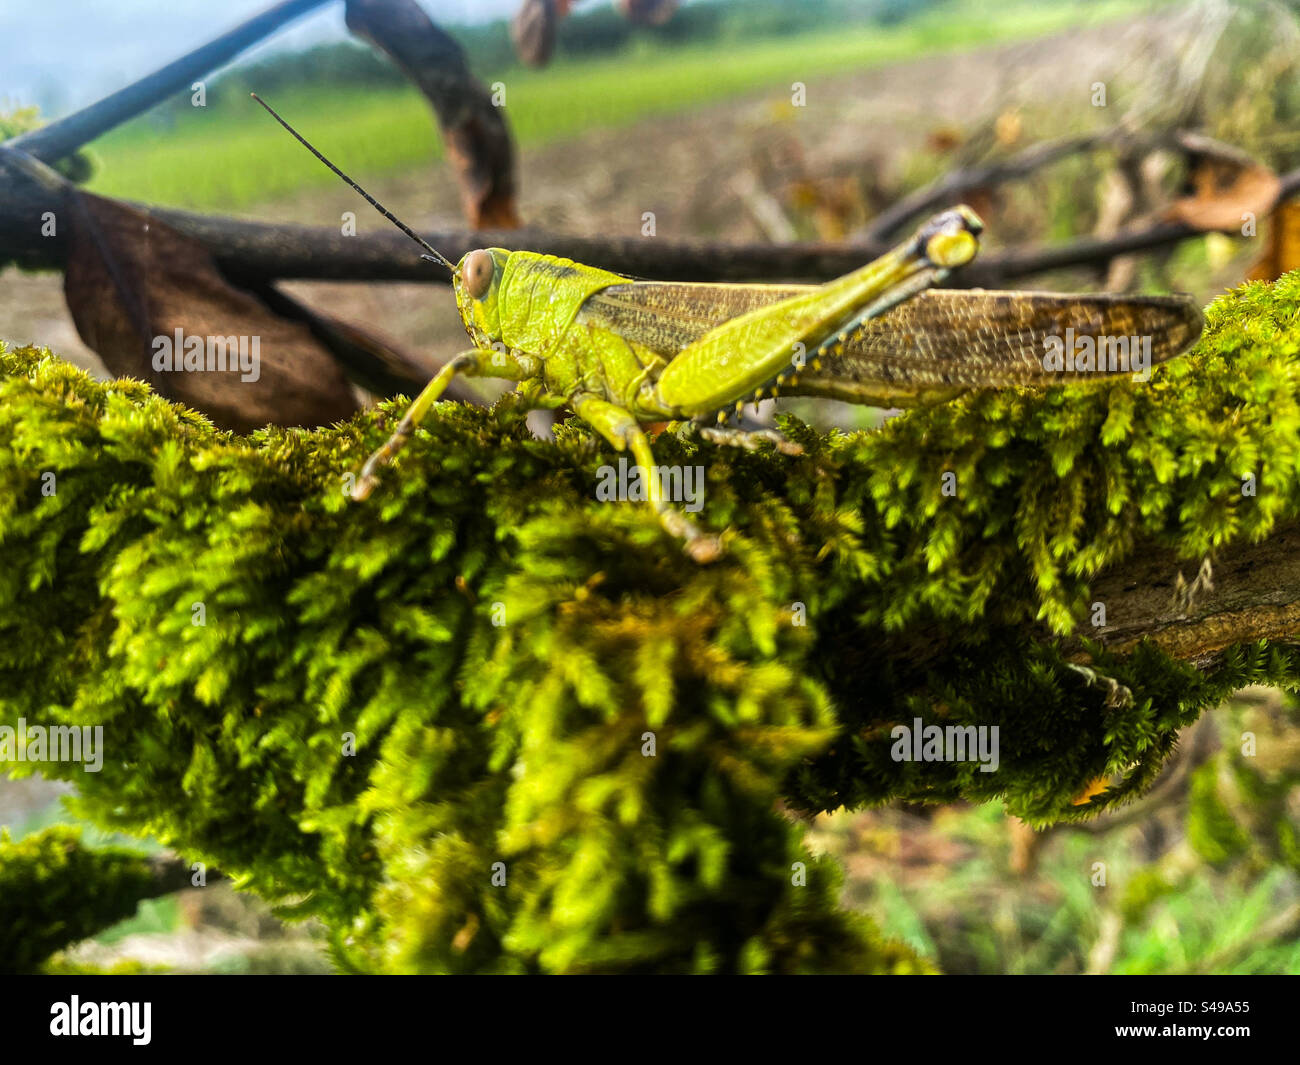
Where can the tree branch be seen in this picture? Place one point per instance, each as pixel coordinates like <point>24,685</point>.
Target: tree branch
<point>260,251</point>
<point>51,143</point>
<point>1254,595</point>
<point>957,183</point>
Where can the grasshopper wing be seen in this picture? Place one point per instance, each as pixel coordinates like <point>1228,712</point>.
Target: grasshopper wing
<point>666,316</point>
<point>946,341</point>
<point>935,345</point>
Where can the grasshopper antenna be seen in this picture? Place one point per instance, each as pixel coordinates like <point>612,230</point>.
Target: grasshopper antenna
<point>433,254</point>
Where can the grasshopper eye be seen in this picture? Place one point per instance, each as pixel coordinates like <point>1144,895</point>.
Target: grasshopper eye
<point>477,272</point>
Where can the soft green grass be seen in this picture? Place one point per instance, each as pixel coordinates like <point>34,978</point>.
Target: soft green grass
<point>234,155</point>
<point>153,917</point>
<point>976,917</point>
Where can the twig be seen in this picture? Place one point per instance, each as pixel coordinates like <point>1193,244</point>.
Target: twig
<point>51,143</point>
<point>307,253</point>
<point>958,182</point>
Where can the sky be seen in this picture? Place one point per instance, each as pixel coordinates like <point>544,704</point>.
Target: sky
<point>64,54</point>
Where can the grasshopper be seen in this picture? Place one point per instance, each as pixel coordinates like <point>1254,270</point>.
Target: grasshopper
<point>623,353</point>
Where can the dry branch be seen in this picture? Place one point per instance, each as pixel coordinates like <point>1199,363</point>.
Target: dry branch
<point>958,183</point>
<point>261,251</point>
<point>51,143</point>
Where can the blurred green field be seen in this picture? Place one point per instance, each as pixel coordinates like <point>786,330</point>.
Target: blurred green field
<point>228,157</point>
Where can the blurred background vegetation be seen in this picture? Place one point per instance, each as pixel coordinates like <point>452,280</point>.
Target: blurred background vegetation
<point>693,120</point>
<point>607,73</point>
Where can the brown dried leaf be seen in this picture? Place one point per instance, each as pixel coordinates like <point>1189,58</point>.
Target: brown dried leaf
<point>1225,188</point>
<point>1091,790</point>
<point>835,204</point>
<point>1283,254</point>
<point>370,358</point>
<point>474,131</point>
<point>132,282</point>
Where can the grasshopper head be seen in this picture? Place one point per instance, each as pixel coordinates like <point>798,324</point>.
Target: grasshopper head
<point>477,283</point>
<point>951,238</point>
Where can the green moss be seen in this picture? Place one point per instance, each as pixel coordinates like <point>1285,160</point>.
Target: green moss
<point>522,743</point>
<point>54,891</point>
<point>61,966</point>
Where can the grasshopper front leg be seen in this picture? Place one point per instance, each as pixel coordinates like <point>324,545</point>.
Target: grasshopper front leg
<point>472,363</point>
<point>622,430</point>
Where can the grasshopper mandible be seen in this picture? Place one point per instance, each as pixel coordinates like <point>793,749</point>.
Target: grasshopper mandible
<point>623,353</point>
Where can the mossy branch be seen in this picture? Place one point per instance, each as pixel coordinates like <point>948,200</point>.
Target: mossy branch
<point>55,891</point>
<point>484,722</point>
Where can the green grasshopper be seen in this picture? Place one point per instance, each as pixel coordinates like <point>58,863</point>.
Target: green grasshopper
<point>623,353</point>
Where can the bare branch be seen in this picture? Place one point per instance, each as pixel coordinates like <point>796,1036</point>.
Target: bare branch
<point>1255,596</point>
<point>51,143</point>
<point>955,184</point>
<point>259,252</point>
